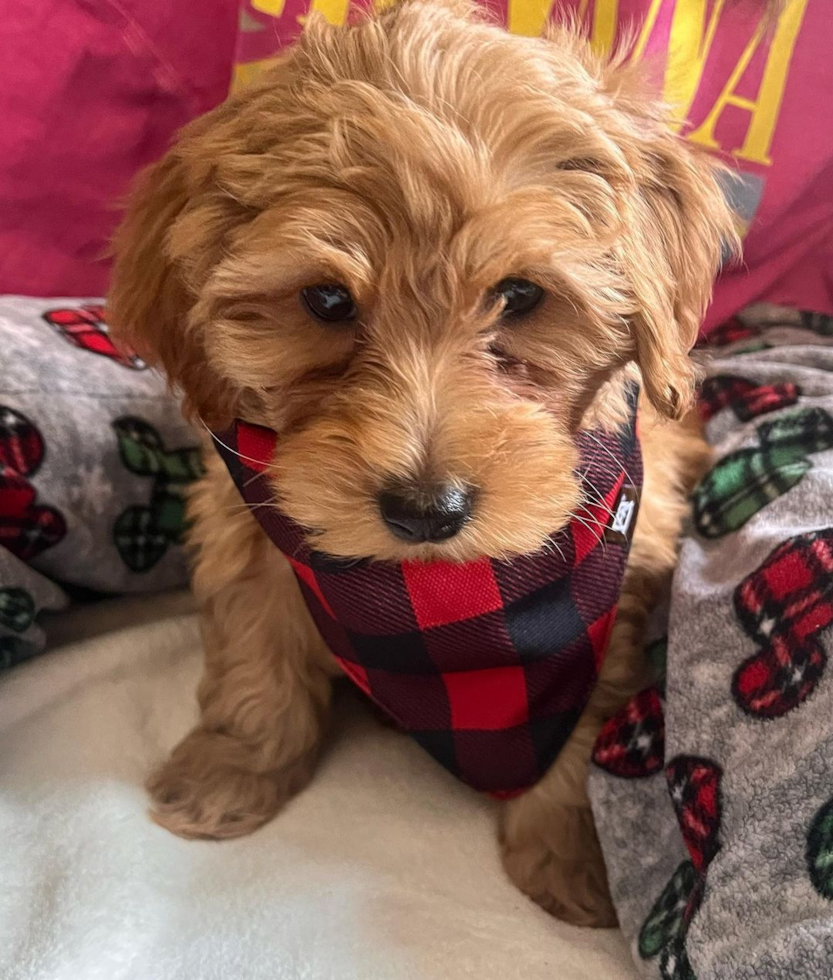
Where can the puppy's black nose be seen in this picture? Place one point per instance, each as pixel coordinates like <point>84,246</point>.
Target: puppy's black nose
<point>415,514</point>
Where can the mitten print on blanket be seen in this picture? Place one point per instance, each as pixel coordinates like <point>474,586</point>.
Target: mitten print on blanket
<point>718,832</point>
<point>95,460</point>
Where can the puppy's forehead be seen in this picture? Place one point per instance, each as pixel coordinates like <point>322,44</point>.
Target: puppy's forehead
<point>452,144</point>
<point>440,130</point>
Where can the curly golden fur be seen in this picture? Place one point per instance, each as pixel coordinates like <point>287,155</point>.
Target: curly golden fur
<point>418,157</point>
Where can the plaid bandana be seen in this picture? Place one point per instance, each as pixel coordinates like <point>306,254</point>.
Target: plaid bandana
<point>488,664</point>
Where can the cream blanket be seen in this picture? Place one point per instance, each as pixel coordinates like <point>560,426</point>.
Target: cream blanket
<point>384,868</point>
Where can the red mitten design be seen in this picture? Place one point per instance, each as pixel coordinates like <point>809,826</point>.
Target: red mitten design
<point>85,327</point>
<point>632,743</point>
<point>731,332</point>
<point>694,785</point>
<point>21,445</point>
<point>746,399</point>
<point>783,606</point>
<point>26,528</point>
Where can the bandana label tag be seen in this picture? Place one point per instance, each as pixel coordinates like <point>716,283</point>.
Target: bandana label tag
<point>623,519</point>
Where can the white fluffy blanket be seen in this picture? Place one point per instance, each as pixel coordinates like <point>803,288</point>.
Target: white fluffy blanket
<point>383,868</point>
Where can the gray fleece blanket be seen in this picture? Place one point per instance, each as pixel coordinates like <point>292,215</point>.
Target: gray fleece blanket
<point>95,460</point>
<point>713,789</point>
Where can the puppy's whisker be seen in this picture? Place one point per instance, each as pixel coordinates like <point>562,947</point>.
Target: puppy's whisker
<point>234,452</point>
<point>551,543</point>
<point>590,520</point>
<point>592,506</point>
<point>592,494</point>
<point>616,461</point>
<point>251,480</point>
<point>592,514</point>
<point>584,523</point>
<point>238,508</point>
<point>595,498</point>
<point>590,529</point>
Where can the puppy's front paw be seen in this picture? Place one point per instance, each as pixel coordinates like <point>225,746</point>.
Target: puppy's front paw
<point>203,790</point>
<point>559,865</point>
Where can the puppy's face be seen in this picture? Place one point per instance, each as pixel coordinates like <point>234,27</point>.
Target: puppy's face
<point>424,252</point>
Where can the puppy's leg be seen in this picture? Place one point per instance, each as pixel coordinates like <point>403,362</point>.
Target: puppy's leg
<point>265,688</point>
<point>548,840</point>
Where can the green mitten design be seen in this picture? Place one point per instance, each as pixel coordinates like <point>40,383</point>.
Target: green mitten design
<point>819,852</point>
<point>17,609</point>
<point>14,650</point>
<point>144,454</point>
<point>668,919</point>
<point>820,323</point>
<point>744,482</point>
<point>142,535</point>
<point>658,658</point>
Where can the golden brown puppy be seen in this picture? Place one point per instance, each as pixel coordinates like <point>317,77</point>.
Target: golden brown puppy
<point>411,164</point>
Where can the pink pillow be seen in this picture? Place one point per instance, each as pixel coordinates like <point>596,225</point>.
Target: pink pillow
<point>89,93</point>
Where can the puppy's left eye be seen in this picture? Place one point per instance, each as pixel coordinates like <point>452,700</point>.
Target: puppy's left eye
<point>330,302</point>
<point>520,296</point>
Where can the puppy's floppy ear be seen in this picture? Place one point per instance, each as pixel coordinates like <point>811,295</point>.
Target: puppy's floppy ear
<point>677,229</point>
<point>675,225</point>
<point>150,299</point>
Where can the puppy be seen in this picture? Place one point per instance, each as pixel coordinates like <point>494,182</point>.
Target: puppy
<point>427,254</point>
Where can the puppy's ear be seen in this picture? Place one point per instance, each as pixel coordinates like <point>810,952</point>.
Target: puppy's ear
<point>678,229</point>
<point>150,299</point>
<point>675,225</point>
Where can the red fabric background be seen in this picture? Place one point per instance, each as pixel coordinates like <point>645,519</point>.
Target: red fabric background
<point>91,90</point>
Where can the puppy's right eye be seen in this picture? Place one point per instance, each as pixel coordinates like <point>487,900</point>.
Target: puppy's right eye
<point>330,302</point>
<point>520,296</point>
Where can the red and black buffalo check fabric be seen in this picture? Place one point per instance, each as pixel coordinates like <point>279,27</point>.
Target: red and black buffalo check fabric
<point>487,664</point>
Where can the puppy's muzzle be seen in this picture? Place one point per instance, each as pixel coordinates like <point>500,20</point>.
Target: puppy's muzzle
<point>417,513</point>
